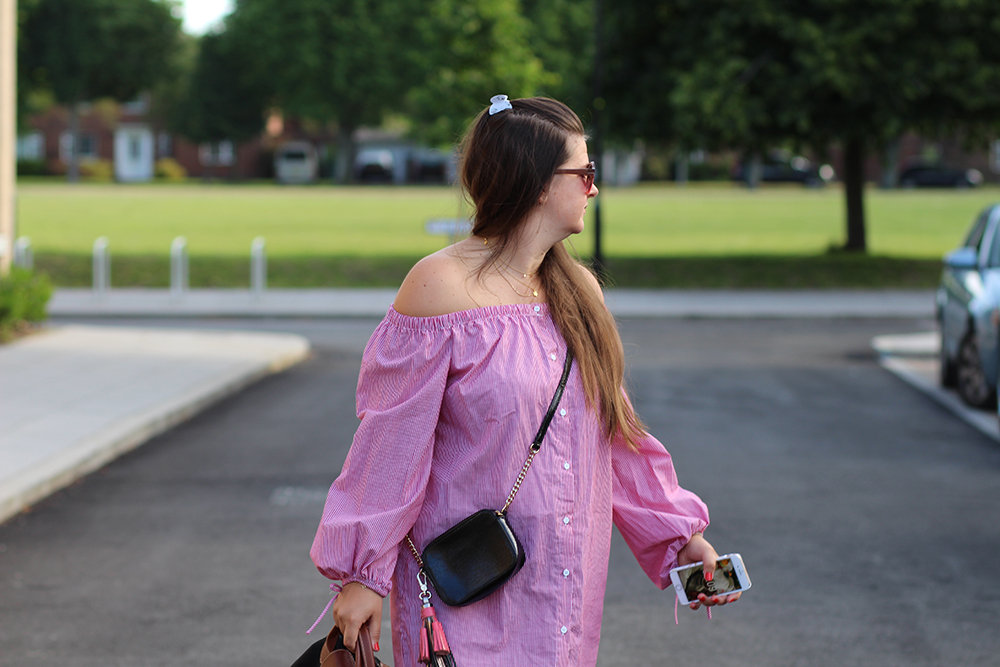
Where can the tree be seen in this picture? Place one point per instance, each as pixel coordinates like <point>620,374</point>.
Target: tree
<point>752,73</point>
<point>467,52</point>
<point>82,50</point>
<point>561,34</point>
<point>354,62</point>
<point>218,101</point>
<point>333,61</point>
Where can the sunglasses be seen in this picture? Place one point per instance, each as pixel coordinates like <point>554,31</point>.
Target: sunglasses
<point>587,173</point>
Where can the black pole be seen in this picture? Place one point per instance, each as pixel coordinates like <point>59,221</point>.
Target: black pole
<point>597,140</point>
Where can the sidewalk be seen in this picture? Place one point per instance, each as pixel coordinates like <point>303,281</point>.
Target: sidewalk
<point>374,302</point>
<point>75,397</point>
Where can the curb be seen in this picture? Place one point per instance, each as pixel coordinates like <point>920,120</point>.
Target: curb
<point>913,358</point>
<point>87,454</point>
<point>372,302</point>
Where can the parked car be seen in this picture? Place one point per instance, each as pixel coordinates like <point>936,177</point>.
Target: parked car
<point>968,312</point>
<point>780,167</point>
<point>374,165</point>
<point>936,176</point>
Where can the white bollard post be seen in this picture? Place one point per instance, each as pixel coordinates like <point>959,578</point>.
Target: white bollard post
<point>258,266</point>
<point>102,267</point>
<point>23,255</point>
<point>178,267</point>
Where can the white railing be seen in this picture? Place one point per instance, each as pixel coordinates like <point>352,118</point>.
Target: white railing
<point>178,267</point>
<point>23,255</point>
<point>258,266</point>
<point>102,267</point>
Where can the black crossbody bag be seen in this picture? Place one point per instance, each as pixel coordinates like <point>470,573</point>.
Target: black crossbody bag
<point>479,554</point>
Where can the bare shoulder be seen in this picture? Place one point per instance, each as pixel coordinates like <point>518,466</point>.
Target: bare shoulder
<point>436,285</point>
<point>592,280</point>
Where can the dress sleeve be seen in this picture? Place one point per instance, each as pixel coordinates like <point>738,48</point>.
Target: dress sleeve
<point>653,513</point>
<point>378,495</point>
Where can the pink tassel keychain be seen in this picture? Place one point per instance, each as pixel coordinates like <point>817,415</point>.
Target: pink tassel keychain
<point>434,649</point>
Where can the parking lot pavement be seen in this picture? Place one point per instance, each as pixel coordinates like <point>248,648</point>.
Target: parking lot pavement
<point>75,397</point>
<point>826,473</point>
<point>914,359</point>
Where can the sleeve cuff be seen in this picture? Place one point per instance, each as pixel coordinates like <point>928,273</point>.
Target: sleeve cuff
<point>381,589</point>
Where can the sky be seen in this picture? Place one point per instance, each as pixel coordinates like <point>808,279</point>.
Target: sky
<point>199,15</point>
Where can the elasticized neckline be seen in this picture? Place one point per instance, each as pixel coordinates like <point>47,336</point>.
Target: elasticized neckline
<point>450,320</point>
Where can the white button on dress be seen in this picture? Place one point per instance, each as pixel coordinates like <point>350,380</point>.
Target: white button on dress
<point>564,629</point>
<point>552,357</point>
<point>565,519</point>
<point>537,308</point>
<point>565,573</point>
<point>566,465</point>
<point>563,412</point>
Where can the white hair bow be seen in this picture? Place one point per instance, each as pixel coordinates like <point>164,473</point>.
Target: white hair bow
<point>500,103</point>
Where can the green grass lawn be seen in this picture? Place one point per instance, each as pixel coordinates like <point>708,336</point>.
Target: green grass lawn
<point>654,235</point>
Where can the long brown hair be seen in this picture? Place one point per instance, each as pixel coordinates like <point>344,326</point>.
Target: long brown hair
<point>508,159</point>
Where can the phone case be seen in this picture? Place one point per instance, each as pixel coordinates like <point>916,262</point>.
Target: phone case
<point>730,577</point>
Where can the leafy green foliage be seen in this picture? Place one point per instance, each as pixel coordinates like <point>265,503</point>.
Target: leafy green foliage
<point>753,73</point>
<point>468,51</point>
<point>84,49</point>
<point>562,36</point>
<point>434,62</point>
<point>329,60</point>
<point>219,102</point>
<point>23,298</point>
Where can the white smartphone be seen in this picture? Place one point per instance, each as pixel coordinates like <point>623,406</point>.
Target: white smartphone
<point>730,577</point>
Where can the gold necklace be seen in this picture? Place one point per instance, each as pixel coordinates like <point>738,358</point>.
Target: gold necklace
<point>533,290</point>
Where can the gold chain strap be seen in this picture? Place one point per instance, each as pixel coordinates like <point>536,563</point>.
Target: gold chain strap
<point>416,554</point>
<point>517,483</point>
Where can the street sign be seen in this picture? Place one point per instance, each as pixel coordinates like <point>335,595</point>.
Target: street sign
<point>448,226</point>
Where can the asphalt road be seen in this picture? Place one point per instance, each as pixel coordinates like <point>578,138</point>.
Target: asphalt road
<point>868,517</point>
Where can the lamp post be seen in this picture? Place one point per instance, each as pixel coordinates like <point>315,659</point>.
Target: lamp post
<point>8,129</point>
<point>597,138</point>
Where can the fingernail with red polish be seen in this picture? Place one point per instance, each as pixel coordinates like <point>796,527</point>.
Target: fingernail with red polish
<point>376,646</point>
<point>708,575</point>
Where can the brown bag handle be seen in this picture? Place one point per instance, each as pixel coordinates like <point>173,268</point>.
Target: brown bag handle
<point>364,655</point>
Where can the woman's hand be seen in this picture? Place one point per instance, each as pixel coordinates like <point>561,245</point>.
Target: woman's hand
<point>357,605</point>
<point>698,549</point>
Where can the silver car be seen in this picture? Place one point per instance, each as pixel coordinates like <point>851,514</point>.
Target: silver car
<point>968,312</point>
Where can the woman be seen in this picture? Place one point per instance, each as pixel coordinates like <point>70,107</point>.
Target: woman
<point>453,385</point>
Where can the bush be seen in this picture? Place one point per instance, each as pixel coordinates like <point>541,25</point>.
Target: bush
<point>170,169</point>
<point>32,168</point>
<point>97,170</point>
<point>23,298</point>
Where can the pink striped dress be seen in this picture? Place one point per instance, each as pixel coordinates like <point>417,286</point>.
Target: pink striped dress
<point>448,408</point>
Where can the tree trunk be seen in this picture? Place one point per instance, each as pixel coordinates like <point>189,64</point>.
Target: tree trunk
<point>890,165</point>
<point>345,155</point>
<point>681,168</point>
<point>754,171</point>
<point>73,168</point>
<point>854,189</point>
